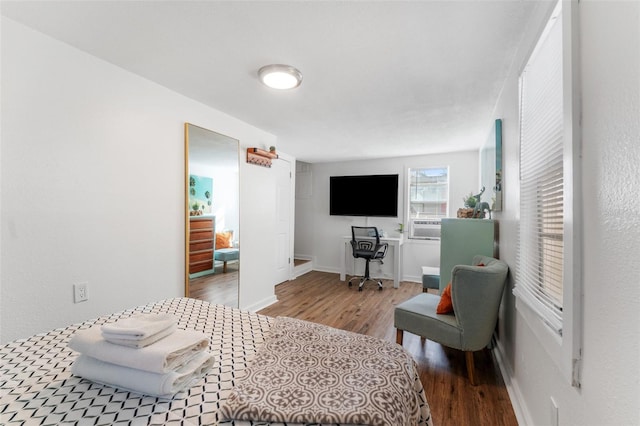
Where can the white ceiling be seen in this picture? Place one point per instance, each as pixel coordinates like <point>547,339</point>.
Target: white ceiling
<point>381,78</point>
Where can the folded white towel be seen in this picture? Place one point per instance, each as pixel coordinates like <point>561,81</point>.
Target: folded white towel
<point>142,342</point>
<point>162,356</point>
<point>143,382</point>
<point>139,326</point>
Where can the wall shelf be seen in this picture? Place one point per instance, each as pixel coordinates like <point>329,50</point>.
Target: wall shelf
<point>260,157</point>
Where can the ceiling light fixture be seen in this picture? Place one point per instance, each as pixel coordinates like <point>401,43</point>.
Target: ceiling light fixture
<point>278,76</point>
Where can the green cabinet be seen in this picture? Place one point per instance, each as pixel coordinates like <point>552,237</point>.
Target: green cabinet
<point>461,240</point>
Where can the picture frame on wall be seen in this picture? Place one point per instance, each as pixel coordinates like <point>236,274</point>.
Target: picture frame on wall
<point>200,195</point>
<point>491,176</point>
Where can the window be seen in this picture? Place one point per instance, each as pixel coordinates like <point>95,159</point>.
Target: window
<point>540,254</point>
<point>428,192</point>
<point>547,276</point>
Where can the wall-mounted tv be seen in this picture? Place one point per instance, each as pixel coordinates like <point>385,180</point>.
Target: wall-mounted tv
<point>365,195</point>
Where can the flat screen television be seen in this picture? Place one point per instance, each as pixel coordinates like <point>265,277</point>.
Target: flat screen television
<point>365,195</point>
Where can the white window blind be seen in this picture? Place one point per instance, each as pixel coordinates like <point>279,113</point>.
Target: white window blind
<point>539,278</point>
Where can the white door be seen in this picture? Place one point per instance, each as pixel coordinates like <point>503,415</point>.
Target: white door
<point>283,220</point>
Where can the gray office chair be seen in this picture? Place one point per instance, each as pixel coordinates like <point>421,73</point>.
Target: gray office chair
<point>365,244</point>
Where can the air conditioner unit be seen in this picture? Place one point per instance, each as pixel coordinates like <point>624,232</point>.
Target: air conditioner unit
<point>425,229</point>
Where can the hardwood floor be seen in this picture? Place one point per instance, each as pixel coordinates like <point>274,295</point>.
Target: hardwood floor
<point>220,287</point>
<point>321,297</point>
<point>298,262</point>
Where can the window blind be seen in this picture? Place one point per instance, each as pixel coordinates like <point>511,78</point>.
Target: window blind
<point>539,277</point>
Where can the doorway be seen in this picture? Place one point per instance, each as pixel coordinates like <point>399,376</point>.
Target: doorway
<point>284,219</point>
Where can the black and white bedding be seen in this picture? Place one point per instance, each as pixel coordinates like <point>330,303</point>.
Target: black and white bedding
<point>37,387</point>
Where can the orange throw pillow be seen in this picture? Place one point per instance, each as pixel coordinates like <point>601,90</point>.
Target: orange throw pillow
<point>223,240</point>
<point>446,304</point>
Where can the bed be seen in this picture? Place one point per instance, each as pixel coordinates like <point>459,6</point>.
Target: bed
<point>37,387</point>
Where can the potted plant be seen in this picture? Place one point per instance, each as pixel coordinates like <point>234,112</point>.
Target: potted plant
<point>469,201</point>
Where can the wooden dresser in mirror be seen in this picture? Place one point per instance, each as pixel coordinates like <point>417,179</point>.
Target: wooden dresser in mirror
<point>201,244</point>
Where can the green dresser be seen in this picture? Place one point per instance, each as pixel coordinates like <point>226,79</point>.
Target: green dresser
<point>461,239</point>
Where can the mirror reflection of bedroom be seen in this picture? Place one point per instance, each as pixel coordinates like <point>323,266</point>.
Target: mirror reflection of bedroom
<point>212,254</point>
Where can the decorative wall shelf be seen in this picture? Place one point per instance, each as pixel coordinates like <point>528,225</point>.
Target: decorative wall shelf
<point>260,157</point>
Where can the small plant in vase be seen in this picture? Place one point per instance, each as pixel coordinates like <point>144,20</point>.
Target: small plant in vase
<point>470,201</point>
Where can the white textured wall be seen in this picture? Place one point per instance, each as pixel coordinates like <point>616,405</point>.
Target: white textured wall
<point>1,103</point>
<point>326,230</point>
<point>92,179</point>
<point>610,33</point>
<point>610,51</point>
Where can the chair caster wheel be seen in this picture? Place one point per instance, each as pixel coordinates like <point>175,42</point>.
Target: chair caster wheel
<point>359,288</point>
<point>379,288</point>
<point>350,284</point>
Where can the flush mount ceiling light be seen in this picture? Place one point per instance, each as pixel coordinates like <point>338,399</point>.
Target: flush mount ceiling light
<point>278,76</point>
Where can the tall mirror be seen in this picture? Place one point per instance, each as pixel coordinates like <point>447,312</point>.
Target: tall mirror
<point>212,252</point>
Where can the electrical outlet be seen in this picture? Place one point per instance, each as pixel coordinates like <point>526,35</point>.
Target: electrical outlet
<point>80,293</point>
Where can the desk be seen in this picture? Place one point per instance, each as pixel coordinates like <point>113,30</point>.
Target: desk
<point>394,243</point>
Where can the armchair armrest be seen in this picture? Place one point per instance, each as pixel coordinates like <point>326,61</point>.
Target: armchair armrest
<point>381,251</point>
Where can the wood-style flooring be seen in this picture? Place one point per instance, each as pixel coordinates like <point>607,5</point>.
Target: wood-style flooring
<point>321,297</point>
<point>219,287</point>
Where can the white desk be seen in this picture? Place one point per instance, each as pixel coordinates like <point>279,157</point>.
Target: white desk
<point>394,243</point>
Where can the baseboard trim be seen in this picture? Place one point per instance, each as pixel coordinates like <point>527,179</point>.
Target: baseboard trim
<point>412,278</point>
<point>302,257</point>
<point>515,395</point>
<point>261,304</point>
<point>326,269</point>
<point>302,269</point>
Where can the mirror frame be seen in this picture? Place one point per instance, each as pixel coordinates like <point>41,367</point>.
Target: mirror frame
<point>185,191</point>
<point>186,200</point>
<point>491,165</point>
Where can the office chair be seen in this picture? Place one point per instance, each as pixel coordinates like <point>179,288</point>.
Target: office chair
<point>365,244</point>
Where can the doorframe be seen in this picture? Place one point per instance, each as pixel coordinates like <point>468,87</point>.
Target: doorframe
<point>292,208</point>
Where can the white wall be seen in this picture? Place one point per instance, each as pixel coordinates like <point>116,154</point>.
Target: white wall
<point>318,234</point>
<point>92,178</point>
<point>610,50</point>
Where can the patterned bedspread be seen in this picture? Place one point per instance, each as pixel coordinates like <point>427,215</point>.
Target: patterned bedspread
<point>307,372</point>
<point>37,387</point>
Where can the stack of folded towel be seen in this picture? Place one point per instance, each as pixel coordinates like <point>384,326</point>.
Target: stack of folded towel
<point>145,353</point>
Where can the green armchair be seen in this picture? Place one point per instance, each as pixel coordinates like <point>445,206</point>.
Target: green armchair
<point>476,293</point>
